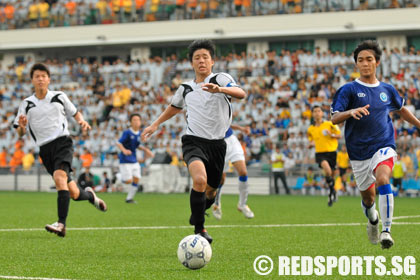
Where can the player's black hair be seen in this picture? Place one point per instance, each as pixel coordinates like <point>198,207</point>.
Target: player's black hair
<point>201,44</point>
<point>40,67</point>
<point>134,115</point>
<point>368,45</point>
<point>316,106</point>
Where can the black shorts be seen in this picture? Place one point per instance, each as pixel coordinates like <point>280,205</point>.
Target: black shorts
<point>211,152</point>
<point>57,154</point>
<point>330,157</point>
<point>342,171</point>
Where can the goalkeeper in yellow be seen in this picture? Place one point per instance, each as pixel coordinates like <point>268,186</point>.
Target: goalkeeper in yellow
<point>324,135</point>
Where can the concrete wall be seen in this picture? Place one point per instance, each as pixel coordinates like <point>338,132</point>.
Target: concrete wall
<point>257,185</point>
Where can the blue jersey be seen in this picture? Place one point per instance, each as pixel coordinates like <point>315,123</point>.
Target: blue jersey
<point>366,136</point>
<point>229,132</point>
<point>130,141</point>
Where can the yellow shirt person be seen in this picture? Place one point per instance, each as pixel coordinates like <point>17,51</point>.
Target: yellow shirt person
<point>321,136</point>
<point>343,160</point>
<point>27,161</point>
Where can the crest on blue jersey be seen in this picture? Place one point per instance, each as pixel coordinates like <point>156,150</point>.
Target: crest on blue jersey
<point>383,97</point>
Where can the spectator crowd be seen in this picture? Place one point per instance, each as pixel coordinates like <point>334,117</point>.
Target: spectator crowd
<point>15,14</point>
<point>281,87</point>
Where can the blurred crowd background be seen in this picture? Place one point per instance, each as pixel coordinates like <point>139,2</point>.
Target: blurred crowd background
<point>282,84</point>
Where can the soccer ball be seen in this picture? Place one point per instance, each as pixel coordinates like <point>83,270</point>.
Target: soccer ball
<point>194,251</point>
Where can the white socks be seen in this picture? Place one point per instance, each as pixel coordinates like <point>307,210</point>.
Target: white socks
<point>243,190</point>
<point>132,191</point>
<point>386,206</point>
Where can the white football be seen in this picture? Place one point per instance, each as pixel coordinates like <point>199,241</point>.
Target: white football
<point>194,251</point>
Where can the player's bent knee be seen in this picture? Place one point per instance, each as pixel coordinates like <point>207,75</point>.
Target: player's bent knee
<point>60,175</point>
<point>200,182</point>
<point>60,179</point>
<point>243,174</point>
<point>382,180</point>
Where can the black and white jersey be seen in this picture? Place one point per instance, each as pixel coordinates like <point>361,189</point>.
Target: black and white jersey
<point>209,115</point>
<point>46,117</point>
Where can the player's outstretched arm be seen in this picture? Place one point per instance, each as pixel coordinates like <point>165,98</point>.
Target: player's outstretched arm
<point>357,114</point>
<point>21,129</point>
<point>169,112</point>
<point>409,117</point>
<point>81,121</point>
<point>244,129</point>
<point>236,92</point>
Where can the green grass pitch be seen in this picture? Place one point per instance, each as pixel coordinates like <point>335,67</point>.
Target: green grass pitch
<point>150,253</point>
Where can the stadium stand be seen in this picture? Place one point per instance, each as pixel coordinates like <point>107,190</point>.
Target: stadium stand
<point>18,14</point>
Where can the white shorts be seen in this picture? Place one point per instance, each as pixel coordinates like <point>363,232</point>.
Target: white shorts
<point>234,151</point>
<point>130,170</point>
<point>363,169</point>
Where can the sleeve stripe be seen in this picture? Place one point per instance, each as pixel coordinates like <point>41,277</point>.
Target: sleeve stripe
<point>402,103</point>
<point>176,107</point>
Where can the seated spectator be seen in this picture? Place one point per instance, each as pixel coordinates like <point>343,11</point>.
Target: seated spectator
<point>85,179</point>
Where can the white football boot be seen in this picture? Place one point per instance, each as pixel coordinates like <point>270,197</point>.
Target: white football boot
<point>246,211</point>
<point>386,240</point>
<point>217,211</point>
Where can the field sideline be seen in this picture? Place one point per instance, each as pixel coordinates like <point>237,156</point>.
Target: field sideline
<point>140,241</point>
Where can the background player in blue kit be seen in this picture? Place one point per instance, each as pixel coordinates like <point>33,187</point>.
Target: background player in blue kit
<point>365,105</point>
<point>129,166</point>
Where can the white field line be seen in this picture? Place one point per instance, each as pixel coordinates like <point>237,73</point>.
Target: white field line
<point>30,278</point>
<point>406,217</point>
<point>217,226</point>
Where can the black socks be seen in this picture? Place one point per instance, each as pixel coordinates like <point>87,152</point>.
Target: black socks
<point>197,204</point>
<point>63,202</point>
<point>84,195</point>
<point>209,202</point>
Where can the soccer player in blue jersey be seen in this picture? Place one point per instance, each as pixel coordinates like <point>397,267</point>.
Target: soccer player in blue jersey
<point>129,166</point>
<point>365,105</point>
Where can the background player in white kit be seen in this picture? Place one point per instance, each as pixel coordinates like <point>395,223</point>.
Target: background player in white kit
<point>130,169</point>
<point>365,105</point>
<point>44,114</point>
<point>235,155</point>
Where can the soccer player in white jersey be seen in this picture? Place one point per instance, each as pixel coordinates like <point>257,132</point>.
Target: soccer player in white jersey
<point>209,115</point>
<point>365,105</point>
<point>130,168</point>
<point>235,155</point>
<point>44,115</point>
